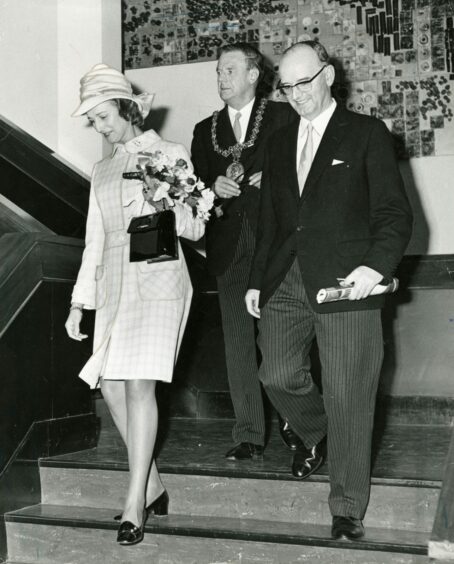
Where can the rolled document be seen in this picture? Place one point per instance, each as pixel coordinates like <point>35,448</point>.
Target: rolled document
<point>337,293</point>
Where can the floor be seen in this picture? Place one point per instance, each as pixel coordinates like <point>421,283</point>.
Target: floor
<point>406,453</point>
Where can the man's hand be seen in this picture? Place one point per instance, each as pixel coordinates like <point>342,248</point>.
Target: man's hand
<point>252,302</point>
<point>225,187</point>
<point>363,280</point>
<point>255,179</point>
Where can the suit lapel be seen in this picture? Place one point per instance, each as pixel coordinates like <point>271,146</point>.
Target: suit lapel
<point>334,132</point>
<point>288,153</point>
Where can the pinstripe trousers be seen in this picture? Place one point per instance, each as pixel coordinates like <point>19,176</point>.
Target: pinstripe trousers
<point>240,335</point>
<point>351,353</point>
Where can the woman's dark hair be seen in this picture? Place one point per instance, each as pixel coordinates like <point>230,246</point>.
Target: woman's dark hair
<point>129,111</point>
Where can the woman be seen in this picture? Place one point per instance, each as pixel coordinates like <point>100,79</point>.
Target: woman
<point>141,308</point>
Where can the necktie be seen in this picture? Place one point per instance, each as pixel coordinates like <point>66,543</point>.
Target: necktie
<point>237,127</point>
<point>306,159</point>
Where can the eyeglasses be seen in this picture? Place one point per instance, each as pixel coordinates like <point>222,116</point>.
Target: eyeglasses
<point>302,85</point>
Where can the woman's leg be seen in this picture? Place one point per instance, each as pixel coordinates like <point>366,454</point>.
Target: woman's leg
<point>142,425</point>
<point>114,393</point>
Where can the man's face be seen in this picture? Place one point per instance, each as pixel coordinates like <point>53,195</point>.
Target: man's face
<point>236,83</point>
<point>302,64</point>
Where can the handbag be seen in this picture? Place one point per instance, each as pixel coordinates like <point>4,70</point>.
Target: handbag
<point>153,237</point>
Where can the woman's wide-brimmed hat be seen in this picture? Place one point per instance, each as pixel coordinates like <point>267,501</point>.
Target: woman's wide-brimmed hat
<point>103,83</point>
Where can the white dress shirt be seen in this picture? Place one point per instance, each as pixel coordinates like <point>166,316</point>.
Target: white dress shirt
<point>319,125</point>
<point>244,119</point>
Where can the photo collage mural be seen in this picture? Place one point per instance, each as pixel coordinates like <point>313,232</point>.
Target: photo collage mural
<point>394,58</point>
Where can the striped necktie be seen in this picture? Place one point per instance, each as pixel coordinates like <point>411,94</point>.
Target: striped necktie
<point>305,159</point>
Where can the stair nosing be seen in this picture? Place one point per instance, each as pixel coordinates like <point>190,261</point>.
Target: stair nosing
<point>186,525</point>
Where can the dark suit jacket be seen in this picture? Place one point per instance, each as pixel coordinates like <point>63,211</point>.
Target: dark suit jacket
<point>350,214</point>
<point>222,233</point>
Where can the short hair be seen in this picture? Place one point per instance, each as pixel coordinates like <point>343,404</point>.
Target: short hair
<point>254,59</point>
<point>129,110</point>
<point>319,49</point>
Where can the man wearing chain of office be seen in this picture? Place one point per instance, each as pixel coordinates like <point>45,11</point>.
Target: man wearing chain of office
<point>227,152</point>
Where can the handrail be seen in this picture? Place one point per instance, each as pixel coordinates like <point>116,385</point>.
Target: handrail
<point>37,161</point>
<point>28,259</point>
<point>40,184</point>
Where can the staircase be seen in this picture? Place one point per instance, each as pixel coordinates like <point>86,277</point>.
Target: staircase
<point>230,512</point>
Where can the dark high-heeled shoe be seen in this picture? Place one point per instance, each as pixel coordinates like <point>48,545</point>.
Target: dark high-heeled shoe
<point>158,507</point>
<point>129,534</point>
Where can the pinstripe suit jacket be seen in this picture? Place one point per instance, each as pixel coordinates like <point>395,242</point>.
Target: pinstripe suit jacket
<point>350,214</point>
<point>141,309</point>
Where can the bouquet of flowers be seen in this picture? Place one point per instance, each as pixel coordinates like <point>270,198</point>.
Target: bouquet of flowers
<point>171,179</point>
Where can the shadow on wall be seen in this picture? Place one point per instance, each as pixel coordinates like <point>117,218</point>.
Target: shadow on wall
<point>156,119</point>
<point>419,242</point>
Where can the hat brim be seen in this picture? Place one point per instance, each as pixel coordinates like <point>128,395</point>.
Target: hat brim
<point>91,103</point>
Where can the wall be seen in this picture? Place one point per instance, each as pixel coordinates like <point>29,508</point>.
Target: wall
<point>28,60</point>
<point>45,47</point>
<point>52,43</point>
<point>186,94</point>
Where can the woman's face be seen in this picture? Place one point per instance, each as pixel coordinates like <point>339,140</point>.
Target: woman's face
<point>106,119</point>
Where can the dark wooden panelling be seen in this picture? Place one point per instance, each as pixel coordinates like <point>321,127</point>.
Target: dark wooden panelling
<point>39,366</point>
<point>28,259</point>
<point>44,187</point>
<point>426,272</point>
<point>15,220</point>
<point>20,481</point>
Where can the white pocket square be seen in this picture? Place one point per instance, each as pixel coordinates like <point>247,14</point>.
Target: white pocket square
<point>336,162</point>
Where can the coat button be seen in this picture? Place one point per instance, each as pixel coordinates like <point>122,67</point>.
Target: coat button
<point>299,228</point>
<point>292,253</point>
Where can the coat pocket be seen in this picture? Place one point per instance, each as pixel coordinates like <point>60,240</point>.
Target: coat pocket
<point>101,286</point>
<point>160,281</point>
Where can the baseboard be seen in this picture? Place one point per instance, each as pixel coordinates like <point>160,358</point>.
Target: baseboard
<point>179,401</point>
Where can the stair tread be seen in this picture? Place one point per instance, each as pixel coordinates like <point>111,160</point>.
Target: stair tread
<point>412,455</point>
<point>256,530</point>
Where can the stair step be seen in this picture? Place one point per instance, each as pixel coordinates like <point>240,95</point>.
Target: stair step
<point>58,534</point>
<point>408,508</point>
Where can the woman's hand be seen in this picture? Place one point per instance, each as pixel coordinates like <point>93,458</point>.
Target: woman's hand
<point>72,325</point>
<point>149,190</point>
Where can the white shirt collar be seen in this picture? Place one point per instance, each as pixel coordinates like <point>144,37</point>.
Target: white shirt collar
<point>246,112</point>
<point>138,144</point>
<point>320,123</point>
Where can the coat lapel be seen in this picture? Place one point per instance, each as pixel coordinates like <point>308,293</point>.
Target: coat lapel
<point>334,132</point>
<point>289,154</point>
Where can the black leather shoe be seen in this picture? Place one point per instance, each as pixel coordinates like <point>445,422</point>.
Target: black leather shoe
<point>347,528</point>
<point>290,438</point>
<point>307,460</point>
<point>159,507</point>
<point>129,534</point>
<point>243,451</point>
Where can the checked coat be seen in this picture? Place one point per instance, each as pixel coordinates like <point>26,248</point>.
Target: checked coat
<point>141,308</point>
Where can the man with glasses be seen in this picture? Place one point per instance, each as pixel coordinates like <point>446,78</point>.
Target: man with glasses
<point>227,152</point>
<point>333,206</point>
